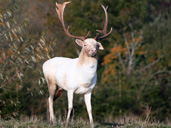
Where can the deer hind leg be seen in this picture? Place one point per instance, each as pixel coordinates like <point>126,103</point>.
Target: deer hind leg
<point>54,93</point>
<point>52,88</point>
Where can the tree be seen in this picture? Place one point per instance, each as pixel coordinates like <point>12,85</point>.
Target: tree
<point>20,57</point>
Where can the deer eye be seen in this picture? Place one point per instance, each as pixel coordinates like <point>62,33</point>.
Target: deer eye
<point>85,45</point>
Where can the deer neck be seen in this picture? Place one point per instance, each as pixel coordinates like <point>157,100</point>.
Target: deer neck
<point>87,61</point>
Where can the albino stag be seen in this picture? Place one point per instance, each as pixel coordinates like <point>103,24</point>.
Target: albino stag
<point>74,75</point>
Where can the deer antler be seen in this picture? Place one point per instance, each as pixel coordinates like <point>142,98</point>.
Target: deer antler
<point>60,11</point>
<point>104,31</point>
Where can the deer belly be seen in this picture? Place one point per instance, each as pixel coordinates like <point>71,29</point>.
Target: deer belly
<point>86,85</point>
<point>83,90</point>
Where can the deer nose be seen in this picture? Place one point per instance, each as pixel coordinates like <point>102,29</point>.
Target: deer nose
<point>93,50</point>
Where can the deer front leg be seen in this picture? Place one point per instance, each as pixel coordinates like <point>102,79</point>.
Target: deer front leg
<point>87,98</point>
<point>70,106</point>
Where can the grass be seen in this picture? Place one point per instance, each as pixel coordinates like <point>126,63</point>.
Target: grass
<point>118,123</point>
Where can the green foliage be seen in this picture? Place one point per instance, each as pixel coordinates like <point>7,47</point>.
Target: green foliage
<point>20,56</point>
<point>149,74</point>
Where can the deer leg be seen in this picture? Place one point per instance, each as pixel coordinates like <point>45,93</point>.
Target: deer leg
<point>87,98</point>
<point>52,88</point>
<point>52,117</point>
<point>70,106</point>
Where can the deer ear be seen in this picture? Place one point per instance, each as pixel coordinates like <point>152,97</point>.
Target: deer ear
<point>100,46</point>
<point>79,42</point>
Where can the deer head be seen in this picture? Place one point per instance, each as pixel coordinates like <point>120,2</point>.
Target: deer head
<point>89,45</point>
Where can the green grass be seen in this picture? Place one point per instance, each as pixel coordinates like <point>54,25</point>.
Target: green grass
<point>119,123</point>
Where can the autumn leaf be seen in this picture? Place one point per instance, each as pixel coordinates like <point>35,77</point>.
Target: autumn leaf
<point>1,61</point>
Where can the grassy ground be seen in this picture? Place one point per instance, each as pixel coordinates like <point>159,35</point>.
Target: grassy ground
<point>122,123</point>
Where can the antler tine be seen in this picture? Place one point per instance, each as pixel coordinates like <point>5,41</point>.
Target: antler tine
<point>60,11</point>
<point>87,34</point>
<point>104,31</point>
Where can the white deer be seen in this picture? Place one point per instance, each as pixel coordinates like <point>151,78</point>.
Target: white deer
<point>74,75</point>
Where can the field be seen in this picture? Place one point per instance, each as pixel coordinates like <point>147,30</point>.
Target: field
<point>119,123</point>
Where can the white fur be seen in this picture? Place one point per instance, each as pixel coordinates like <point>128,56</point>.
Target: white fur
<point>77,78</point>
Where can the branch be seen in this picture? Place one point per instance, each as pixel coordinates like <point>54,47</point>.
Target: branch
<point>132,32</point>
<point>121,61</point>
<point>130,59</point>
<point>127,46</point>
<point>12,77</point>
<point>138,40</point>
<point>151,64</point>
<point>160,72</point>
